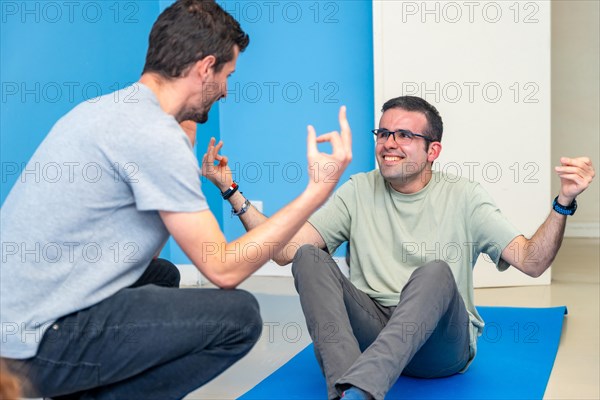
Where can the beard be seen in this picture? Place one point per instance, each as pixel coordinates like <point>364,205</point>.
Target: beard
<point>403,172</point>
<point>199,113</point>
<point>198,116</point>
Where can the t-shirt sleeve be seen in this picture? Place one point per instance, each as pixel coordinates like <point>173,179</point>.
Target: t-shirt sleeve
<point>333,220</point>
<point>162,170</point>
<point>491,230</point>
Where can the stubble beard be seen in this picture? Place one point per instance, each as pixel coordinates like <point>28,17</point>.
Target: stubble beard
<point>403,173</point>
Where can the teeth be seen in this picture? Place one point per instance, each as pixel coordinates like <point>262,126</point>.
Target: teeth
<point>391,158</point>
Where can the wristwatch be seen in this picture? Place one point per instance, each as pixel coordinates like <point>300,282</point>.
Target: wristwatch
<point>243,209</point>
<point>564,210</point>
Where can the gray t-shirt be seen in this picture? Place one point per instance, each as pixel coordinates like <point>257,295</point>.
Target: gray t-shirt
<point>82,221</point>
<point>391,234</point>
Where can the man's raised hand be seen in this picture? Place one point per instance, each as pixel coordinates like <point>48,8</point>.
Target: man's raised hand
<point>219,174</point>
<point>325,169</point>
<point>575,175</point>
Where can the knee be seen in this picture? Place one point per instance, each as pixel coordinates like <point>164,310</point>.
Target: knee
<point>247,316</point>
<point>306,259</point>
<point>170,276</point>
<point>436,271</point>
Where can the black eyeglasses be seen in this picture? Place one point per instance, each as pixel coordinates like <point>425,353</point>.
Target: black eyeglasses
<point>401,136</point>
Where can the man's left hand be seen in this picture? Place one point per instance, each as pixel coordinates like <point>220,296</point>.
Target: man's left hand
<point>220,173</point>
<point>575,175</point>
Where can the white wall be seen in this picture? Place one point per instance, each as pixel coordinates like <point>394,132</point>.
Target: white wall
<point>576,100</point>
<point>486,66</point>
<point>575,92</point>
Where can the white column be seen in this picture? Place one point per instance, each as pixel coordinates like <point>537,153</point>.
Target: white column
<point>486,66</point>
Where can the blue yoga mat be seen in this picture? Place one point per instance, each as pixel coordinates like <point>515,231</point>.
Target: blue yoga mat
<point>515,357</point>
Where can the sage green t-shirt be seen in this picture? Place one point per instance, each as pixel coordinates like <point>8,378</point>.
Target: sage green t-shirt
<point>391,234</point>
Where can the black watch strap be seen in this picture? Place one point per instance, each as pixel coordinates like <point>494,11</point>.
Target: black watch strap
<point>564,210</point>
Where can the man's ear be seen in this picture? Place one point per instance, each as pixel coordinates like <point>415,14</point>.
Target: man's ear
<point>435,148</point>
<point>204,68</point>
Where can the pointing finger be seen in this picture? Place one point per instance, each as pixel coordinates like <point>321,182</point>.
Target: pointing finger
<point>345,129</point>
<point>311,141</point>
<point>218,147</point>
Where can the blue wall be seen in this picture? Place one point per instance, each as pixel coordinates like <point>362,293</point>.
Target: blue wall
<point>54,55</point>
<point>304,61</point>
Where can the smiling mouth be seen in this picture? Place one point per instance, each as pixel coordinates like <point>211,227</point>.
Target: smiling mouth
<point>392,158</point>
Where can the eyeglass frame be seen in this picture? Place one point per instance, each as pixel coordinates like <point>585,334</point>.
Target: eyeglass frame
<point>405,132</point>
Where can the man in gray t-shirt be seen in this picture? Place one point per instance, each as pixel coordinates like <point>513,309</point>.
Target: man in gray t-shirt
<point>87,309</point>
<point>414,235</point>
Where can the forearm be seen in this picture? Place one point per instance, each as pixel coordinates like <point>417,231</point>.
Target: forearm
<point>265,237</point>
<point>533,256</point>
<point>251,218</point>
<point>541,249</point>
<point>242,257</point>
<point>284,255</point>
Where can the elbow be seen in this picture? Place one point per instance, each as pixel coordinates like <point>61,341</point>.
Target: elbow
<point>226,283</point>
<point>281,258</point>
<point>228,286</point>
<point>282,262</point>
<point>535,265</point>
<point>535,271</point>
<point>286,255</point>
<point>219,274</point>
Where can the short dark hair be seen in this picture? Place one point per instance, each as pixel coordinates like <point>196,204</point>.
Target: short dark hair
<point>188,31</point>
<point>435,126</point>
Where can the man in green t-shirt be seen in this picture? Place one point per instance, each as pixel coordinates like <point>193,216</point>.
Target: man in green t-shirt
<point>414,236</point>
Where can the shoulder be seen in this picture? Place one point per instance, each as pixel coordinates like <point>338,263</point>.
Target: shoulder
<point>450,182</point>
<point>364,180</point>
<point>456,189</point>
<point>360,183</point>
<point>133,109</point>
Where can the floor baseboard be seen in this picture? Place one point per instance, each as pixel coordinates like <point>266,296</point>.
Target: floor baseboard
<point>582,229</point>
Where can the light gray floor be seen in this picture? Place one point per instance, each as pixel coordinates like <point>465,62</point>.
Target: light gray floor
<point>575,283</point>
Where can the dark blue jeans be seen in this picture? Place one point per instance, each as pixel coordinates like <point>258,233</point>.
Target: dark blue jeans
<point>149,341</point>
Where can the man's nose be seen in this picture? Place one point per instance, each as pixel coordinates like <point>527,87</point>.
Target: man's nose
<point>390,141</point>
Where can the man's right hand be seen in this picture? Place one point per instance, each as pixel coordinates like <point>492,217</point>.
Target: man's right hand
<point>325,169</point>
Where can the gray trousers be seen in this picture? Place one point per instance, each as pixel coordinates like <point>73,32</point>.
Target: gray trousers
<point>359,342</point>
